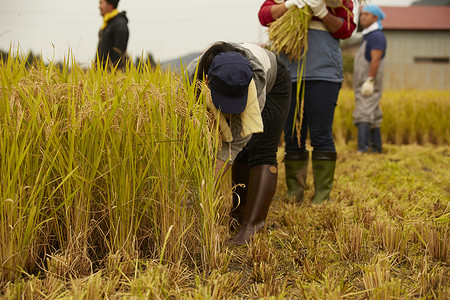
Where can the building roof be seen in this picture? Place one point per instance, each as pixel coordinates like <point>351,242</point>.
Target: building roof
<point>416,17</point>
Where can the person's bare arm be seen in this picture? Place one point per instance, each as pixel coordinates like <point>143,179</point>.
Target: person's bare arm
<point>278,10</point>
<point>375,56</point>
<point>332,22</point>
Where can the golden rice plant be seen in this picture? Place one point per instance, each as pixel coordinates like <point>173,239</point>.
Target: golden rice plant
<point>108,191</point>
<point>102,168</point>
<point>409,117</point>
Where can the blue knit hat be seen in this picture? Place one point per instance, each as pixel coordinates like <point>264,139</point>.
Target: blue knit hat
<point>376,11</point>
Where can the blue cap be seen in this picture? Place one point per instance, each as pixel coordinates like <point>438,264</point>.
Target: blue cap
<point>229,76</point>
<point>376,11</point>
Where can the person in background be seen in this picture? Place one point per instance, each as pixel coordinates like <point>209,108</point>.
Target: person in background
<point>322,81</point>
<point>113,35</point>
<point>368,80</point>
<point>251,89</point>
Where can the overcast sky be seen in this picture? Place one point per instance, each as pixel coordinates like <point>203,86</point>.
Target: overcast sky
<point>166,28</point>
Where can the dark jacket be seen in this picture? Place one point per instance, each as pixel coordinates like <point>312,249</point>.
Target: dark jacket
<point>113,40</point>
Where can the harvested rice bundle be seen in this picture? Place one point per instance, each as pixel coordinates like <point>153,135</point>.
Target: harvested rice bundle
<point>289,33</point>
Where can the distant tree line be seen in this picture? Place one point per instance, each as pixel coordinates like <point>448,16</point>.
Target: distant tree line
<point>31,59</point>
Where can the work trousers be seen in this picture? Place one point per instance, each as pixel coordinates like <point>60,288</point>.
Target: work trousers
<point>318,112</point>
<point>262,148</point>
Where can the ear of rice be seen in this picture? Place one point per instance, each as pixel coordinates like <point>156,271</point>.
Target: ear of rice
<point>288,34</point>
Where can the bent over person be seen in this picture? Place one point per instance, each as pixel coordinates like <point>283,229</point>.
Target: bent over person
<point>113,35</point>
<point>368,80</point>
<point>321,82</point>
<point>251,88</point>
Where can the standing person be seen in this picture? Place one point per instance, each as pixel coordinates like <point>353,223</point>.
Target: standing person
<point>113,35</point>
<point>251,89</point>
<point>368,80</point>
<point>322,79</point>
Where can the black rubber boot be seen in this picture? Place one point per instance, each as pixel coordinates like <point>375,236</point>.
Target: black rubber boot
<point>262,187</point>
<point>324,164</point>
<point>240,174</point>
<point>296,166</point>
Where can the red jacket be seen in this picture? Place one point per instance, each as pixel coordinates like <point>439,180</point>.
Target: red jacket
<point>265,17</point>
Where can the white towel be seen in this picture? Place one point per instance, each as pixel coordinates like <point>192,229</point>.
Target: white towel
<point>251,119</point>
<point>251,116</point>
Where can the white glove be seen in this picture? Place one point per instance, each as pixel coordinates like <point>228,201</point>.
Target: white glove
<point>367,87</point>
<point>298,3</point>
<point>318,7</point>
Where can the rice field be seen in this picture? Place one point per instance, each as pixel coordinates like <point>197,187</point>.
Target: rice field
<point>107,191</point>
<point>409,117</point>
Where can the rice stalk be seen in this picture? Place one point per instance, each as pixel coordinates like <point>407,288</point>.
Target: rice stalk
<point>28,288</point>
<point>99,168</point>
<point>435,239</point>
<point>350,241</point>
<point>378,280</point>
<point>432,280</point>
<point>270,290</point>
<point>289,33</point>
<point>332,287</point>
<point>391,237</point>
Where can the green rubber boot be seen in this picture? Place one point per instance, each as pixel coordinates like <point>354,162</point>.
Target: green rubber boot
<point>324,164</point>
<point>296,166</point>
